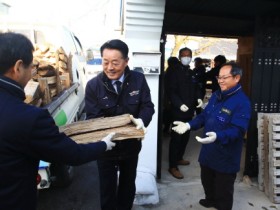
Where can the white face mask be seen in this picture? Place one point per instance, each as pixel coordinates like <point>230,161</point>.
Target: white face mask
<point>186,60</point>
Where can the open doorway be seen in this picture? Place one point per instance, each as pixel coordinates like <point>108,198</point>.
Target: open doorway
<point>203,48</point>
<point>239,49</point>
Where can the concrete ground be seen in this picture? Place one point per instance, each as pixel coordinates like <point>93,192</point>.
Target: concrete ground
<point>175,194</point>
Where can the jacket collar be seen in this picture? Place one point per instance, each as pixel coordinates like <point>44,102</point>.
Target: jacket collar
<point>107,81</point>
<point>184,67</point>
<point>10,86</point>
<point>225,94</point>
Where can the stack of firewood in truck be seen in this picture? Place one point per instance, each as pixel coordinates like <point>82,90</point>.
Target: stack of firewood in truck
<point>51,75</point>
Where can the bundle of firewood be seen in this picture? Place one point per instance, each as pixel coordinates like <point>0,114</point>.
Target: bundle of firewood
<point>51,74</point>
<point>94,130</point>
<point>45,62</point>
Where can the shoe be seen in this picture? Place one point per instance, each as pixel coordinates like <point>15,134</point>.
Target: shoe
<point>183,162</point>
<point>207,203</point>
<point>176,173</point>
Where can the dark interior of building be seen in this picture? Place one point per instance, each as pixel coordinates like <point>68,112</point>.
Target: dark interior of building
<point>256,25</point>
<point>216,17</point>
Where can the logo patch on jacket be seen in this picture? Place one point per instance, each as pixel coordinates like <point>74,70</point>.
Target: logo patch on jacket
<point>226,111</point>
<point>133,93</point>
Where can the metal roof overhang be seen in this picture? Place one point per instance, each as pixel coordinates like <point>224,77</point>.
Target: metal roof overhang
<point>223,18</point>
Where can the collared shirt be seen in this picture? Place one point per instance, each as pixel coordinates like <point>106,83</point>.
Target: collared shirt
<point>121,79</point>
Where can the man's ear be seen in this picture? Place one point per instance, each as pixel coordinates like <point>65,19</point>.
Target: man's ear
<point>18,65</point>
<point>237,77</point>
<point>14,71</point>
<point>126,60</point>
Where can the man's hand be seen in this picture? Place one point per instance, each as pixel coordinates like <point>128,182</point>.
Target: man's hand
<point>139,123</point>
<point>212,136</point>
<point>184,108</point>
<point>181,127</point>
<point>200,103</point>
<point>108,140</point>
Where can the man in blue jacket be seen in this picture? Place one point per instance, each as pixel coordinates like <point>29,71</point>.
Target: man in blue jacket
<point>225,120</point>
<point>28,134</point>
<point>116,91</point>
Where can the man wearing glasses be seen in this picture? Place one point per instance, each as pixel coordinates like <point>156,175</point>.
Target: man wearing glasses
<point>116,91</point>
<point>225,121</point>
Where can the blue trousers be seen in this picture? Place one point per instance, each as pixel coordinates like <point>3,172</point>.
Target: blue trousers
<point>117,193</point>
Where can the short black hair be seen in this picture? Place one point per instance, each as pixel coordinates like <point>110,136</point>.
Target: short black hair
<point>14,47</point>
<point>198,59</point>
<point>185,49</point>
<point>235,68</point>
<point>172,61</point>
<point>117,45</point>
<point>221,59</point>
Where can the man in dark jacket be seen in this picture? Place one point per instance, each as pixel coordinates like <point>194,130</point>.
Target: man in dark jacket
<point>116,91</point>
<point>167,115</point>
<point>211,75</point>
<point>28,134</point>
<point>199,75</point>
<point>185,96</point>
<point>225,120</point>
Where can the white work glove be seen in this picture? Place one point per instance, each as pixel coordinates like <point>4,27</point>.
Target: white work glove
<point>108,140</point>
<point>200,103</point>
<point>181,127</point>
<point>212,136</point>
<point>139,123</point>
<point>184,108</point>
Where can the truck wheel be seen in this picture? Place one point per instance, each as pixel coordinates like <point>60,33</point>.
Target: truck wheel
<point>61,175</point>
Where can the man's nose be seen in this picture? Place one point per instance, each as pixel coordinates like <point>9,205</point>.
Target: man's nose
<point>110,66</point>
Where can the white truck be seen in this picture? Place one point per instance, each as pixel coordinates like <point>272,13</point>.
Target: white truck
<point>68,105</point>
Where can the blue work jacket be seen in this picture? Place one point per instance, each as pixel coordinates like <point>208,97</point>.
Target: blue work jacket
<point>227,114</point>
<point>29,134</point>
<point>103,101</point>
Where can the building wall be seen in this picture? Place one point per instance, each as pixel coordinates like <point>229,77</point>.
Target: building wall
<point>143,21</point>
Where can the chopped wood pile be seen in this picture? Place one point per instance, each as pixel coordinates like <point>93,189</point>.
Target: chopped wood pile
<point>94,130</point>
<point>51,75</point>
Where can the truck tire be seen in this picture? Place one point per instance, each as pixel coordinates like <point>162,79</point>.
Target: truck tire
<point>61,175</point>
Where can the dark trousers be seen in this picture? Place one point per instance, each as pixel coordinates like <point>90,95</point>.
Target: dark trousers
<point>167,119</point>
<point>198,111</point>
<point>177,147</point>
<point>218,187</point>
<point>117,193</point>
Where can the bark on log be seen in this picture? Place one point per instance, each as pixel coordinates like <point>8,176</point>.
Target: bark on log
<point>122,133</point>
<point>95,129</point>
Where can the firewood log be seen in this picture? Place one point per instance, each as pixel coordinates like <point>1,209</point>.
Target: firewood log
<point>122,133</point>
<point>95,129</point>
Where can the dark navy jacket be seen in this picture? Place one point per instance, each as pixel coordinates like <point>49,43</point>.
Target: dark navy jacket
<point>135,99</point>
<point>29,134</point>
<point>228,114</point>
<point>182,89</point>
<point>211,76</point>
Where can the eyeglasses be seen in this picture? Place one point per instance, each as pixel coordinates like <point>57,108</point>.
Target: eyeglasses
<point>223,77</point>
